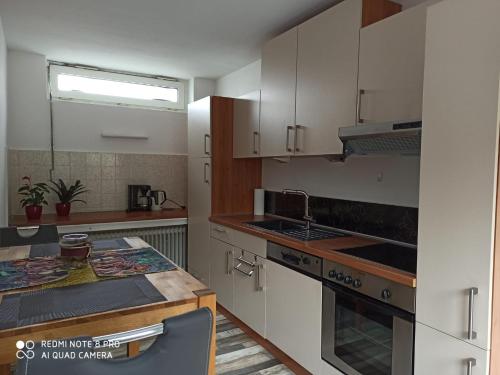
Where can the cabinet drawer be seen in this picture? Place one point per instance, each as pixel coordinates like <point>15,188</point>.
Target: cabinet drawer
<point>239,239</point>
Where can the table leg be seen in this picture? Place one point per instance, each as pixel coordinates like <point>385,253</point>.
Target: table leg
<point>133,348</point>
<point>206,298</point>
<point>5,369</point>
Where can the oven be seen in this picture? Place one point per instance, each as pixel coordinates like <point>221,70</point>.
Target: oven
<point>368,323</point>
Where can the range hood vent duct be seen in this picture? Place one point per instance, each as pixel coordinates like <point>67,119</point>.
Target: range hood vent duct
<point>382,139</point>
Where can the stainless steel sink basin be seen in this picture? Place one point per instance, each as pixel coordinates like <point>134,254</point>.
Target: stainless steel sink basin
<point>295,230</point>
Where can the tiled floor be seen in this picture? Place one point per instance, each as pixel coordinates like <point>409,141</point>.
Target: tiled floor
<point>238,354</point>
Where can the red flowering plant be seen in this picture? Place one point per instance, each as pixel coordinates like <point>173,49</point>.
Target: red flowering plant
<point>32,194</point>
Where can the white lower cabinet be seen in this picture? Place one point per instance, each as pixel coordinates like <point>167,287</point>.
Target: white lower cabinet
<point>221,275</point>
<point>293,313</point>
<point>437,353</point>
<point>327,369</point>
<point>250,290</point>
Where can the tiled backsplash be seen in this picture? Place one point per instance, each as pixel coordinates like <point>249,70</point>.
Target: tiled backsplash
<point>381,220</point>
<point>106,176</point>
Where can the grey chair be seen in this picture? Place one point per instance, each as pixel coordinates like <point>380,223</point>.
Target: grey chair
<point>182,349</point>
<point>20,236</point>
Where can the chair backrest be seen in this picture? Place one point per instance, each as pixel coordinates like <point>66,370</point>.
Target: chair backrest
<point>182,349</point>
<point>19,236</point>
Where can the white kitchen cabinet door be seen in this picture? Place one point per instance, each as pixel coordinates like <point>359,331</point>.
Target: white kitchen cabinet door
<point>458,169</point>
<point>437,353</point>
<point>221,273</point>
<point>391,68</point>
<point>250,291</point>
<point>327,73</point>
<point>246,126</point>
<point>293,315</point>
<point>199,119</point>
<point>277,119</point>
<point>199,210</point>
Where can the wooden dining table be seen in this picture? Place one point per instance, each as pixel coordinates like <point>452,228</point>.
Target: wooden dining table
<point>182,292</point>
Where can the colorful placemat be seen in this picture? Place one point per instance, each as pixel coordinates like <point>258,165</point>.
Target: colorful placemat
<point>118,263</point>
<point>23,273</point>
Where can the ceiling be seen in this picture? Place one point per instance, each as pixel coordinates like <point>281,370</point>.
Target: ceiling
<point>179,38</point>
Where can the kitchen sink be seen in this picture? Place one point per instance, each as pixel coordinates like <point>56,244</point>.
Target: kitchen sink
<point>295,230</point>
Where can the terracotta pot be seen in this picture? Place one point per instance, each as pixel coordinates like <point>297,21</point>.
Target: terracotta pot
<point>33,212</point>
<point>63,209</point>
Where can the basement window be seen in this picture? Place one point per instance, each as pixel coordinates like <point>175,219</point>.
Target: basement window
<point>99,86</point>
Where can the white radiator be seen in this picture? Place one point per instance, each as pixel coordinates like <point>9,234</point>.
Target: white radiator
<point>169,240</point>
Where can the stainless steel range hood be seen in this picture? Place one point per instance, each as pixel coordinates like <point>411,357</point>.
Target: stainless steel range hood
<point>401,138</point>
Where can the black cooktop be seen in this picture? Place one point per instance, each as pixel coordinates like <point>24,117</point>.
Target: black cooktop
<point>400,257</point>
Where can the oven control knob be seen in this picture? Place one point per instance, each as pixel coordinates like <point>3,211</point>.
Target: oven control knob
<point>348,280</point>
<point>356,283</point>
<point>332,274</point>
<point>306,261</point>
<point>340,276</point>
<point>386,294</point>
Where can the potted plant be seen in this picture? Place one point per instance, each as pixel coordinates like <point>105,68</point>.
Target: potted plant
<point>33,197</point>
<point>67,195</point>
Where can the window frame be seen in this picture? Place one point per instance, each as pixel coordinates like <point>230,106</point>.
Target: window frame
<point>95,73</point>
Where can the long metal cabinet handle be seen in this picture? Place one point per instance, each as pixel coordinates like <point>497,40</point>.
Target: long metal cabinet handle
<point>288,128</point>
<point>471,362</point>
<point>220,230</point>
<point>255,150</point>
<point>361,93</point>
<point>207,138</point>
<point>260,285</point>
<point>205,174</point>
<point>471,334</point>
<point>297,129</point>
<point>229,261</point>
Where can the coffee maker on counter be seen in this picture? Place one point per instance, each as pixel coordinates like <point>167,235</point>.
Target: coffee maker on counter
<point>139,198</point>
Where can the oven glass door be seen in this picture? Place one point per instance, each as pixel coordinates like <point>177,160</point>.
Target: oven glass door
<point>361,335</point>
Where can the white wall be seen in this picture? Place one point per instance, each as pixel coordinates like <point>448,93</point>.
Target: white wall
<point>3,130</point>
<point>240,82</point>
<point>357,179</point>
<point>200,88</point>
<point>78,126</point>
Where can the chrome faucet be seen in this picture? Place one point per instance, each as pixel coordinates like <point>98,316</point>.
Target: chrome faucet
<point>307,217</point>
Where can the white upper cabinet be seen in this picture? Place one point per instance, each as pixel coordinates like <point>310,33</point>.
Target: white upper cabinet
<point>246,128</point>
<point>458,170</point>
<point>199,128</point>
<point>391,68</point>
<point>277,121</point>
<point>327,71</point>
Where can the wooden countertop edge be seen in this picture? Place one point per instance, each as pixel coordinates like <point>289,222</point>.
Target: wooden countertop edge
<point>43,326</point>
<point>322,248</point>
<point>99,217</point>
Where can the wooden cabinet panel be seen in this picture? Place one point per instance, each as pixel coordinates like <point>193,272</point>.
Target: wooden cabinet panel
<point>199,132</point>
<point>221,273</point>
<point>327,70</point>
<point>250,292</point>
<point>246,137</point>
<point>279,59</point>
<point>391,68</point>
<point>439,353</point>
<point>293,312</point>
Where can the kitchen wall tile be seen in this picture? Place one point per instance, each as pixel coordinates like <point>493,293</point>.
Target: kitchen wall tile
<point>61,158</point>
<point>93,159</point>
<point>108,160</point>
<point>106,175</point>
<point>92,173</point>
